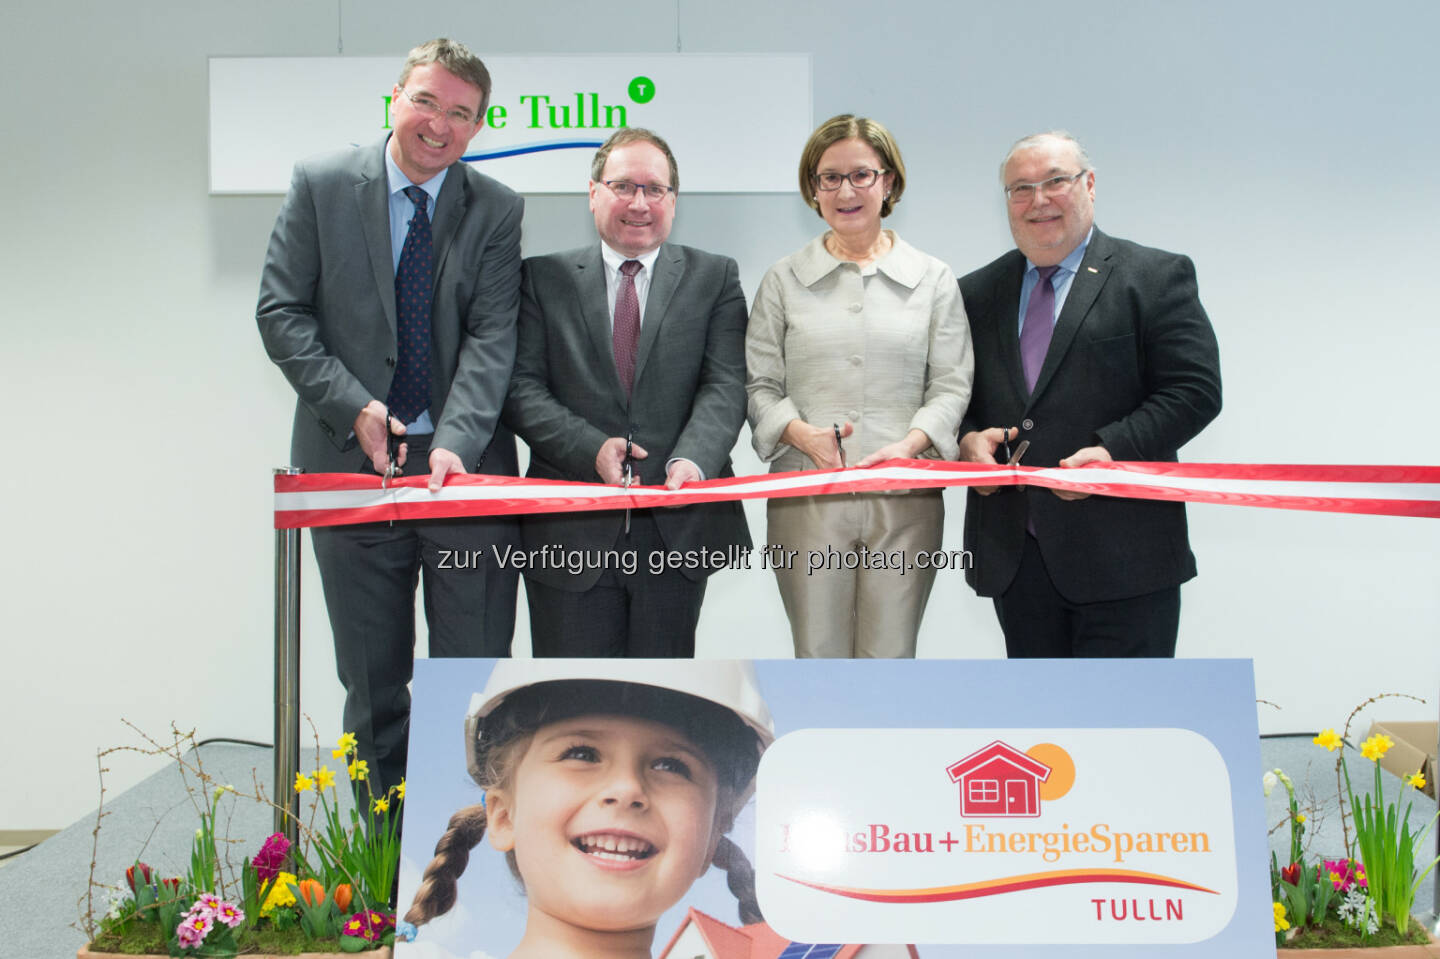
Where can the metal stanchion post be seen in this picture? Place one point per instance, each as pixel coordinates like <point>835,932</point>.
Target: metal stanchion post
<point>287,675</point>
<point>1435,895</point>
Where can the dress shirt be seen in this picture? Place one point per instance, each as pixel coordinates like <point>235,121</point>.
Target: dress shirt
<point>886,346</point>
<point>613,262</point>
<point>401,212</point>
<point>1060,282</point>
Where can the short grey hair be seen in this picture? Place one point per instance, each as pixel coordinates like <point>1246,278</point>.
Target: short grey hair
<point>456,58</point>
<point>1037,139</point>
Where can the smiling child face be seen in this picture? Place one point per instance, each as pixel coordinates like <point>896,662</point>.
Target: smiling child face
<point>611,820</point>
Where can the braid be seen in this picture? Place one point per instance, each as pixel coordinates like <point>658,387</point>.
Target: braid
<point>740,877</point>
<point>452,853</point>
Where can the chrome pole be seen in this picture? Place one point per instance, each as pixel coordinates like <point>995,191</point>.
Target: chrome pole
<point>1434,879</point>
<point>287,675</point>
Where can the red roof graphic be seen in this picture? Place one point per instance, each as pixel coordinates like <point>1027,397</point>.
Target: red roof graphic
<point>755,941</point>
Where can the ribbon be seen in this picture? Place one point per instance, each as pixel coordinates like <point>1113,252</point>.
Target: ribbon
<point>338,499</point>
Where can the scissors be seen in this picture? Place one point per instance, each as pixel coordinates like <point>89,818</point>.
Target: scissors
<point>392,452</point>
<point>629,471</point>
<point>1020,448</point>
<point>839,445</point>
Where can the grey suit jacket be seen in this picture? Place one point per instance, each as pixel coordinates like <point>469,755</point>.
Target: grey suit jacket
<point>327,308</point>
<point>688,399</point>
<point>1133,366</point>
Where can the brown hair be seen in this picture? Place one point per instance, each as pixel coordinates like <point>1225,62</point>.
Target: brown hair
<point>455,57</point>
<point>504,735</point>
<point>624,137</point>
<point>847,126</point>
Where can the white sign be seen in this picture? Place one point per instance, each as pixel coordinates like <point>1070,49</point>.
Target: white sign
<point>990,836</point>
<point>735,122</point>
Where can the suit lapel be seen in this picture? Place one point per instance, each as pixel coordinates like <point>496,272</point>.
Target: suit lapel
<point>372,195</point>
<point>450,208</point>
<point>669,268</point>
<point>1008,312</point>
<point>1089,279</point>
<point>593,302</point>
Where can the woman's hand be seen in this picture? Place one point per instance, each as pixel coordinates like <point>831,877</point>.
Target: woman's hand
<point>902,449</point>
<point>816,442</point>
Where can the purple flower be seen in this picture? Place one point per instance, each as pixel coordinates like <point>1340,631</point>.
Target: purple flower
<point>271,857</point>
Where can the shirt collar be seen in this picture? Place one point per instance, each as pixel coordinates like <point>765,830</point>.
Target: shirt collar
<point>613,259</point>
<point>1071,263</point>
<point>904,264</point>
<point>398,181</point>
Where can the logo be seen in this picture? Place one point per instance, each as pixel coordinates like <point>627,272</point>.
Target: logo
<point>1000,781</point>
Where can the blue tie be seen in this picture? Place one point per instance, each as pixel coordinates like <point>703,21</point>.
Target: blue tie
<point>410,389</point>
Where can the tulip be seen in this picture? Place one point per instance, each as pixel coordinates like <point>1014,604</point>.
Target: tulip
<point>312,892</point>
<point>144,871</point>
<point>1291,873</point>
<point>342,897</point>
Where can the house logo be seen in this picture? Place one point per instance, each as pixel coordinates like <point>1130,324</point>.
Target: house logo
<point>1000,781</point>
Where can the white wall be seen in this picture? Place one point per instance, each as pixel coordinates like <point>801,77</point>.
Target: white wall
<point>1288,148</point>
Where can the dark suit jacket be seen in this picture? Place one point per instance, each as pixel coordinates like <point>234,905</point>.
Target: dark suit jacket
<point>327,308</point>
<point>1134,367</point>
<point>688,399</point>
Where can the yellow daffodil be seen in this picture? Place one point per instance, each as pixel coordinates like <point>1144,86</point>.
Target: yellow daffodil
<point>303,783</point>
<point>1300,817</point>
<point>382,805</point>
<point>1416,779</point>
<point>324,778</point>
<point>1281,923</point>
<point>359,770</point>
<point>281,893</point>
<point>1376,746</point>
<point>400,789</point>
<point>343,745</point>
<point>1328,739</point>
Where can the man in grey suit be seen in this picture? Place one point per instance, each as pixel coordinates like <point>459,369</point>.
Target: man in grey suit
<point>631,360</point>
<point>1092,348</point>
<point>388,300</point>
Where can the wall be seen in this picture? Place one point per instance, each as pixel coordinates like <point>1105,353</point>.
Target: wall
<point>1283,146</point>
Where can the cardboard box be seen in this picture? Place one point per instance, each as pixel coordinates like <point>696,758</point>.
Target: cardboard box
<point>1414,749</point>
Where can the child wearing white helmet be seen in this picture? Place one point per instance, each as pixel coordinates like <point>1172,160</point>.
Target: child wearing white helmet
<point>609,785</point>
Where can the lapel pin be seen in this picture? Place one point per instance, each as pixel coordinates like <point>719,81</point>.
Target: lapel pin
<point>1092,269</point>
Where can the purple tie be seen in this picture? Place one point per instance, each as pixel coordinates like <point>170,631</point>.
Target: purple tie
<point>410,388</point>
<point>1039,325</point>
<point>627,324</point>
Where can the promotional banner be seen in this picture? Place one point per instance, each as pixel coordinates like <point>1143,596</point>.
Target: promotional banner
<point>940,808</point>
<point>735,122</point>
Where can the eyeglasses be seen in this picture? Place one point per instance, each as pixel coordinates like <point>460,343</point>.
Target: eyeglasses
<point>859,179</point>
<point>428,107</point>
<point>1053,187</point>
<point>625,190</point>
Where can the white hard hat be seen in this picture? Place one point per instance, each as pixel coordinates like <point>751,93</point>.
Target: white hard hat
<point>728,683</point>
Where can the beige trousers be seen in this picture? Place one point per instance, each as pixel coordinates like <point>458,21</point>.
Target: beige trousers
<point>834,559</point>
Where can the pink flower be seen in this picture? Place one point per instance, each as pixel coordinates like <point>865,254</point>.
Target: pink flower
<point>1344,873</point>
<point>193,928</point>
<point>271,857</point>
<point>229,914</point>
<point>206,904</point>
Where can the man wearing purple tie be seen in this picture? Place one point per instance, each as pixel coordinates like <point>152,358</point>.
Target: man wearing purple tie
<point>1092,349</point>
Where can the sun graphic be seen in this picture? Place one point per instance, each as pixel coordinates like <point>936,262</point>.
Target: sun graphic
<point>1062,769</point>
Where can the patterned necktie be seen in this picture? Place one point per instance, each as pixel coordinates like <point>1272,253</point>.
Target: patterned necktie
<point>1039,325</point>
<point>410,389</point>
<point>627,324</point>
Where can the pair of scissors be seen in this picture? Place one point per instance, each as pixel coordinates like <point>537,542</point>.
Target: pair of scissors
<point>629,472</point>
<point>392,451</point>
<point>839,446</point>
<point>1020,448</point>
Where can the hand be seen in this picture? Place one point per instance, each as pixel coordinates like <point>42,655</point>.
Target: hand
<point>902,449</point>
<point>816,442</point>
<point>1090,454</point>
<point>610,461</point>
<point>980,447</point>
<point>370,433</point>
<point>681,471</point>
<point>442,463</point>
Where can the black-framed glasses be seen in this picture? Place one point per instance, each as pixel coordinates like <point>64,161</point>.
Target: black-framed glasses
<point>625,190</point>
<point>859,179</point>
<point>1051,188</point>
<point>428,107</point>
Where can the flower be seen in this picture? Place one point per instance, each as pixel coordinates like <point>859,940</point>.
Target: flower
<point>1344,873</point>
<point>199,924</point>
<point>342,895</point>
<point>382,804</point>
<point>171,885</point>
<point>312,892</point>
<point>400,789</point>
<point>1281,923</point>
<point>1269,782</point>
<point>359,770</point>
<point>1300,818</point>
<point>324,778</point>
<point>143,871</point>
<point>280,894</point>
<point>1416,779</point>
<point>229,914</point>
<point>303,783</point>
<point>344,745</point>
<point>369,925</point>
<point>1328,739</point>
<point>1291,873</point>
<point>1376,746</point>
<point>207,903</point>
<point>271,857</point>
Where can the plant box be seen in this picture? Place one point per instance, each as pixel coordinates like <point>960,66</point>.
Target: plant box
<point>384,952</point>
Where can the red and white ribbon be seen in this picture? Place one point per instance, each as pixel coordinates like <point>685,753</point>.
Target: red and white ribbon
<point>338,499</point>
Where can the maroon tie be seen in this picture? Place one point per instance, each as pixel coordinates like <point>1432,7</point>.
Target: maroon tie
<point>1039,325</point>
<point>627,324</point>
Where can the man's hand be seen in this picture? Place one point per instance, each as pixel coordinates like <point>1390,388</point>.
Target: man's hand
<point>610,461</point>
<point>681,471</point>
<point>442,463</point>
<point>1090,454</point>
<point>980,446</point>
<point>370,433</point>
<point>902,449</point>
<point>816,442</point>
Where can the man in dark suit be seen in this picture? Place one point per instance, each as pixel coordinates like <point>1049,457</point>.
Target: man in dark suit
<point>631,355</point>
<point>388,300</point>
<point>1093,349</point>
